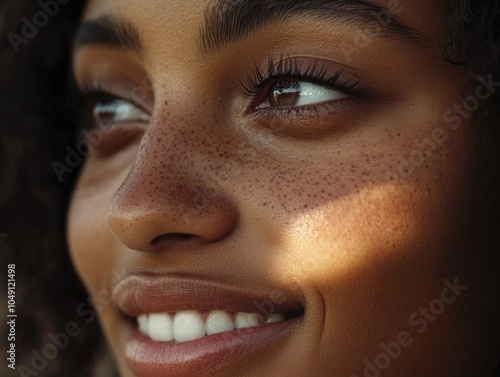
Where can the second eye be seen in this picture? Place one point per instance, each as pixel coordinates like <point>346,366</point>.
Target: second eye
<point>109,110</point>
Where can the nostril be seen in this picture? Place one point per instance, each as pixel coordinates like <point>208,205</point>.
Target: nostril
<point>172,237</point>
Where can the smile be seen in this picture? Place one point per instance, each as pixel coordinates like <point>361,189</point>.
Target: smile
<point>185,327</point>
<point>188,325</point>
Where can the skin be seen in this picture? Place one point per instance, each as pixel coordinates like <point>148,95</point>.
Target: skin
<point>322,216</point>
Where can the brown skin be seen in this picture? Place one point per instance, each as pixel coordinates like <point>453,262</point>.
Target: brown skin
<point>315,214</point>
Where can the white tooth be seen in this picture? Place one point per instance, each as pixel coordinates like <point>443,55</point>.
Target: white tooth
<point>276,317</point>
<point>243,320</point>
<point>143,322</point>
<point>161,327</point>
<point>218,321</point>
<point>188,325</point>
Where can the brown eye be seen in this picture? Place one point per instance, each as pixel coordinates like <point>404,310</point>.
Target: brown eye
<point>285,93</point>
<point>288,93</point>
<point>106,110</point>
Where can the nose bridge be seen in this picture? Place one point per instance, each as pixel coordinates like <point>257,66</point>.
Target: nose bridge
<point>161,195</point>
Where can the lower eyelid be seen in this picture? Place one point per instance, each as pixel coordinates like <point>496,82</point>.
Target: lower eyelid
<point>103,143</point>
<point>328,119</point>
<point>295,112</point>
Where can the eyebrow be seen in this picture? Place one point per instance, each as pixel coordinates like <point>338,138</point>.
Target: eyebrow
<point>110,31</point>
<point>227,21</point>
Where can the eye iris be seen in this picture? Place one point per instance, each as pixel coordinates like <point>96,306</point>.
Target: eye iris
<point>285,93</point>
<point>109,110</point>
<point>101,116</point>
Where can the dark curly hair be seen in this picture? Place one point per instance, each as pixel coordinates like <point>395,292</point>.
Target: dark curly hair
<point>474,43</point>
<point>34,132</point>
<point>475,33</point>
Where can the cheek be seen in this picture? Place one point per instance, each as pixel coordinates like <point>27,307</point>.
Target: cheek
<point>387,198</point>
<point>95,252</point>
<point>360,205</point>
<point>91,243</point>
<point>373,232</point>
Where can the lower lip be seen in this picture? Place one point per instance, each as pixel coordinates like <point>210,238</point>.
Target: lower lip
<point>208,355</point>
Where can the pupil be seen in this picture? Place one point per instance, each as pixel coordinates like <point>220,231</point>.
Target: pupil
<point>285,93</point>
<point>106,112</point>
<point>103,113</point>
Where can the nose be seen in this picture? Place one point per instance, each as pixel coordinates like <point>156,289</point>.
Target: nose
<point>170,195</point>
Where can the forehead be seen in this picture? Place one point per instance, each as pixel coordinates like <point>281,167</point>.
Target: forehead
<point>156,19</point>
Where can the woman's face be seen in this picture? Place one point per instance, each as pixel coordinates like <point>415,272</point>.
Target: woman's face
<point>304,162</point>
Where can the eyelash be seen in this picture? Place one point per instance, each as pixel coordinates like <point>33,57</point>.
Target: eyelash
<point>255,84</point>
<point>92,92</point>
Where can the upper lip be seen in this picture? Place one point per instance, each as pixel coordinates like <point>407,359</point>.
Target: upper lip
<point>141,293</point>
